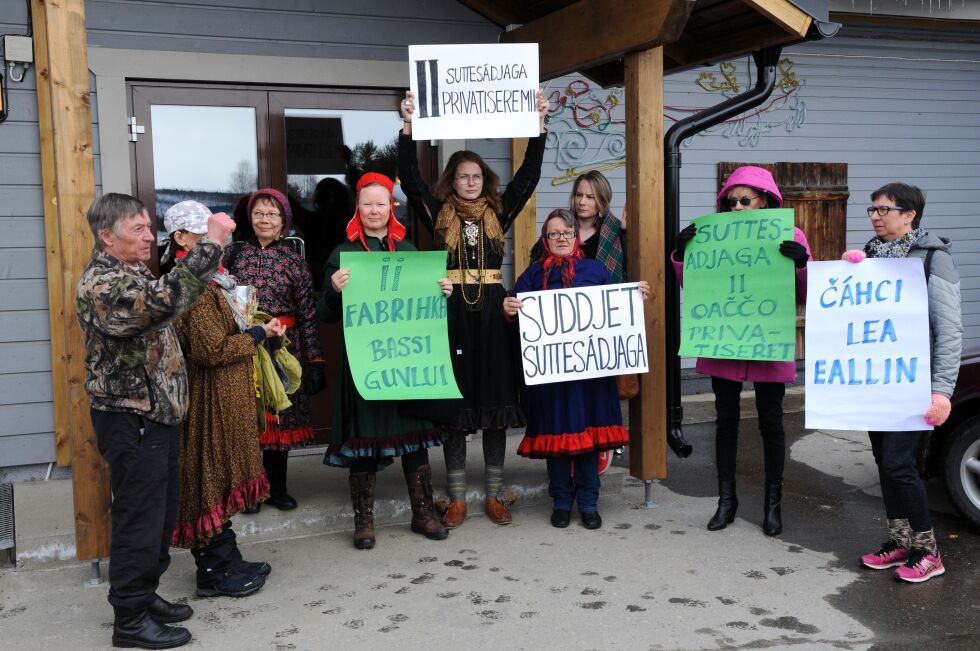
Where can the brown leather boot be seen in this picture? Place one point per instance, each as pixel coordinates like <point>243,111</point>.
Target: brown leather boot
<point>362,497</point>
<point>423,514</point>
<point>497,511</point>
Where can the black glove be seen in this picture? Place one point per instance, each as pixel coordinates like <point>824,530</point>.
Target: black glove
<point>684,237</point>
<point>795,252</point>
<point>316,379</point>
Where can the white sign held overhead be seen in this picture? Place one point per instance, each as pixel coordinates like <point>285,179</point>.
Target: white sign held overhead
<point>867,346</point>
<point>581,333</point>
<point>474,91</point>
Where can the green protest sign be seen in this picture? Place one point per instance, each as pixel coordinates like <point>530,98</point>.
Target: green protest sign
<point>395,328</point>
<point>739,291</point>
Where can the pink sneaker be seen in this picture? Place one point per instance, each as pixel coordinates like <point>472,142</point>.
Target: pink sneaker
<point>891,554</point>
<point>920,566</point>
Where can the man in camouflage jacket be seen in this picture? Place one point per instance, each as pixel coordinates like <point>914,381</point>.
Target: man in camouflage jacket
<point>137,386</point>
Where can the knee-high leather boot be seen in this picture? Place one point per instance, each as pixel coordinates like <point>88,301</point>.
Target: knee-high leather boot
<point>423,514</point>
<point>362,498</point>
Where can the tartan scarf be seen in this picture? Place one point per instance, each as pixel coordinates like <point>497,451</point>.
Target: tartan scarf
<point>610,251</point>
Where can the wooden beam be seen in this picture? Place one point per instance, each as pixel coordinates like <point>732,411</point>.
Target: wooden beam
<point>645,252</point>
<point>68,184</point>
<point>525,228</point>
<point>736,45</point>
<point>499,12</point>
<point>785,14</point>
<point>569,41</point>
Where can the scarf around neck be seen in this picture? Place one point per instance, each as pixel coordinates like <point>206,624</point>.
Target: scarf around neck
<point>610,251</point>
<point>242,299</point>
<point>879,248</point>
<point>455,211</point>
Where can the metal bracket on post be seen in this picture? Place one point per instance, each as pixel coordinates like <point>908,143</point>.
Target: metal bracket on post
<point>648,494</point>
<point>96,577</point>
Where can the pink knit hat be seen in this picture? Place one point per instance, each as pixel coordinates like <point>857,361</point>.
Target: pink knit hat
<point>753,177</point>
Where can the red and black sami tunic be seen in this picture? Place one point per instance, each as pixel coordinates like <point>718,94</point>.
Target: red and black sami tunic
<point>568,418</point>
<point>284,286</point>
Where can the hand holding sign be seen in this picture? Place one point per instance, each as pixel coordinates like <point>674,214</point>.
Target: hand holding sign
<point>474,91</point>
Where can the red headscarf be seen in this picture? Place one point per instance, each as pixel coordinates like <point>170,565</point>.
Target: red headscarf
<point>355,229</point>
<point>565,263</point>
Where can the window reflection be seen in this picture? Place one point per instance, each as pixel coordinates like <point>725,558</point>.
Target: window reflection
<point>204,153</point>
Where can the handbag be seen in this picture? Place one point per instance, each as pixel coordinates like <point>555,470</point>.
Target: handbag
<point>628,386</point>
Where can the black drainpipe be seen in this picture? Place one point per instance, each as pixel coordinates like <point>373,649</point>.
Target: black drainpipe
<point>765,61</point>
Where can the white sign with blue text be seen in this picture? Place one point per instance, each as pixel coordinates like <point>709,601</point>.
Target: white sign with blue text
<point>867,346</point>
<point>474,91</point>
<point>582,332</point>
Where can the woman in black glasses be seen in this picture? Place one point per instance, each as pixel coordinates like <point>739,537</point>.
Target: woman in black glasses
<point>750,188</point>
<point>569,423</point>
<point>468,217</point>
<point>895,212</point>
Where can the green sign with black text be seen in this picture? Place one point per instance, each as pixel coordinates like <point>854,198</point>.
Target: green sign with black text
<point>395,327</point>
<point>739,290</point>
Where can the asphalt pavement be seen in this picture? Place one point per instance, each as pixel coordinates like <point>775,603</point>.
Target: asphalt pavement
<point>650,578</point>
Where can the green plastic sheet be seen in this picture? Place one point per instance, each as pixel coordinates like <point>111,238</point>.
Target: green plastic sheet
<point>395,327</point>
<point>739,291</point>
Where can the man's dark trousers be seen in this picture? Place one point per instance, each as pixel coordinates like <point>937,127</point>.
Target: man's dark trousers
<point>143,477</point>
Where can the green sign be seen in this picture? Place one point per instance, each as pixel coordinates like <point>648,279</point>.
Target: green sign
<point>395,328</point>
<point>739,290</point>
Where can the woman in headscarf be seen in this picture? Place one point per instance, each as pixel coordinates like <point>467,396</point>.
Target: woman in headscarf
<point>469,219</point>
<point>896,210</point>
<point>285,290</point>
<point>369,434</point>
<point>569,423</point>
<point>750,188</point>
<point>220,461</point>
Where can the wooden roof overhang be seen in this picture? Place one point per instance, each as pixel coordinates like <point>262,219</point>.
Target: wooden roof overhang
<point>593,37</point>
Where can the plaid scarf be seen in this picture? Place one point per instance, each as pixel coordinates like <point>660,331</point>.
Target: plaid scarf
<point>610,251</point>
<point>879,248</point>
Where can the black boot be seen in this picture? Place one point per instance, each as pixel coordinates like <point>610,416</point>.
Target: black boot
<point>166,612</point>
<point>727,505</point>
<point>136,629</point>
<point>276,462</point>
<point>772,517</point>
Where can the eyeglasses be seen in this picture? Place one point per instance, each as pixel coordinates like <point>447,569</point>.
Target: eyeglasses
<point>884,210</point>
<point>466,179</point>
<point>564,235</point>
<point>271,216</point>
<point>745,201</point>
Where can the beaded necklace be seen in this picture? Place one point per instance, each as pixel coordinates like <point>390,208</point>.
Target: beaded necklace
<point>463,265</point>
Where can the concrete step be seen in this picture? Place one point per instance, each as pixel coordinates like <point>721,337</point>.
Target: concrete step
<point>45,526</point>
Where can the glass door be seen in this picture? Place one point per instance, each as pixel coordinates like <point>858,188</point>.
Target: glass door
<point>206,144</point>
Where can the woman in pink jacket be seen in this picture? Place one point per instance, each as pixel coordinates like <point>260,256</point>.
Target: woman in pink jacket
<point>750,188</point>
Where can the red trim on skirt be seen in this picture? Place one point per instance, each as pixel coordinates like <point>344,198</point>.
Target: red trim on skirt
<point>274,438</point>
<point>555,445</point>
<point>198,534</point>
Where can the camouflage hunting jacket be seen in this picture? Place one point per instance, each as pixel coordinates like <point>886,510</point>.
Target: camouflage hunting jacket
<point>133,359</point>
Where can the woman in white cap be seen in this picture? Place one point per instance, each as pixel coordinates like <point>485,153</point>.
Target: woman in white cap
<point>220,461</point>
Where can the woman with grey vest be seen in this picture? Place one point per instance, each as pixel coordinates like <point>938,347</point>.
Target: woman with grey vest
<point>896,210</point>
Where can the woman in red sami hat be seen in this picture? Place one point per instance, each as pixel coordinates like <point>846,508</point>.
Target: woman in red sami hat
<point>368,435</point>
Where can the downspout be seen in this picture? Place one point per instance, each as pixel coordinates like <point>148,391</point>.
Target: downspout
<point>765,61</point>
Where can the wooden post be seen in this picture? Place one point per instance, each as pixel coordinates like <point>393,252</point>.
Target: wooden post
<point>525,228</point>
<point>644,74</point>
<point>68,182</point>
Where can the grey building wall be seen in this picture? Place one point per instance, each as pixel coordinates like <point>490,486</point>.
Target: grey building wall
<point>907,111</point>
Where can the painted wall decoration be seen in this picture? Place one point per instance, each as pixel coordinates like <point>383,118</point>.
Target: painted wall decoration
<point>586,123</point>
